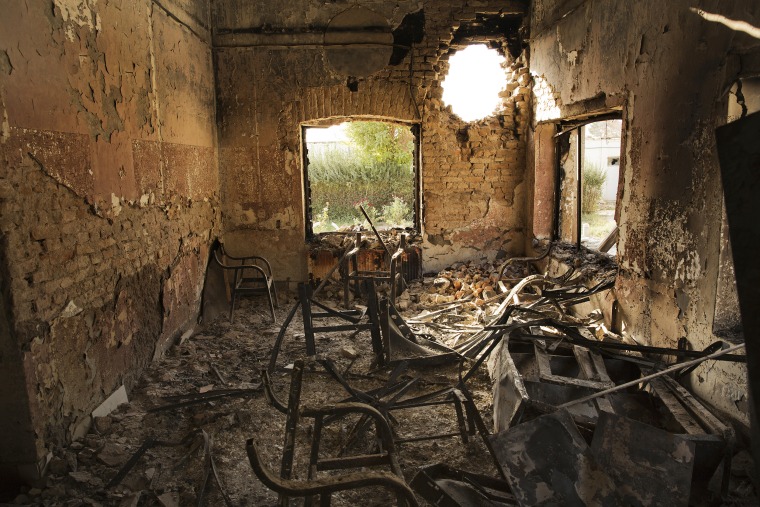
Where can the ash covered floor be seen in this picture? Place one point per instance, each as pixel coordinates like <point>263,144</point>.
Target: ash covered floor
<point>179,435</point>
<point>230,356</point>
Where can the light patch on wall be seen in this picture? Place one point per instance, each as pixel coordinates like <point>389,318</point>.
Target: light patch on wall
<point>547,107</point>
<point>476,76</point>
<point>80,13</point>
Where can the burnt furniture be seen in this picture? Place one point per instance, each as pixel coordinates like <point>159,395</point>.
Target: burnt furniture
<point>324,487</point>
<point>251,274</point>
<point>350,271</point>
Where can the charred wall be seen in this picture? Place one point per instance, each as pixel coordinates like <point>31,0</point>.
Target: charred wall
<point>274,73</point>
<point>670,69</point>
<point>108,203</point>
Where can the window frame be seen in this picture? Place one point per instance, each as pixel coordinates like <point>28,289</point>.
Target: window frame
<point>417,208</point>
<point>574,126</point>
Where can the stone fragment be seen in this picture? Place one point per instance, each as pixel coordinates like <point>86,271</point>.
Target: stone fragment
<point>102,424</point>
<point>86,478</point>
<point>71,461</point>
<point>112,455</point>
<point>349,352</point>
<point>170,499</point>
<point>442,283</point>
<point>58,466</point>
<point>131,500</point>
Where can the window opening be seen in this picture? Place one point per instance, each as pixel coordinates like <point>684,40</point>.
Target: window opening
<point>475,78</point>
<point>368,163</point>
<point>590,175</point>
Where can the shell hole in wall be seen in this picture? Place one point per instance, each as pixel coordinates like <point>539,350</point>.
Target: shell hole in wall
<point>476,76</point>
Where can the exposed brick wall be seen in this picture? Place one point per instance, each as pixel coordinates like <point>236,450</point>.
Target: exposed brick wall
<point>473,200</point>
<point>473,189</point>
<point>93,297</point>
<point>108,204</point>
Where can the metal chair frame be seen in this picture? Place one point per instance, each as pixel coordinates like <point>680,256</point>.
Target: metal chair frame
<point>253,275</point>
<point>321,415</point>
<point>350,270</point>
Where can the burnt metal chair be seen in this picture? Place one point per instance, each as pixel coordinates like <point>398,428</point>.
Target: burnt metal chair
<point>252,274</point>
<point>350,271</point>
<point>325,487</point>
<point>322,415</point>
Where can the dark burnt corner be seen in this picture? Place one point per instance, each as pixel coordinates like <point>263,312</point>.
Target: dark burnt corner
<point>495,29</point>
<point>237,229</point>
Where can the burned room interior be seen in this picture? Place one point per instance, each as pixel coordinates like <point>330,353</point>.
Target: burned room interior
<point>255,253</point>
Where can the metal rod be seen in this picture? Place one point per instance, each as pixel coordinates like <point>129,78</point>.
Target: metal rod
<point>673,368</point>
<point>579,197</point>
<point>372,226</point>
<point>591,344</point>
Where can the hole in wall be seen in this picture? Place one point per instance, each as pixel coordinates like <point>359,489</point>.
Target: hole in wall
<point>476,76</point>
<point>411,31</point>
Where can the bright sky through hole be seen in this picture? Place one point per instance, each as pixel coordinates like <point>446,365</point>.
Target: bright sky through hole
<point>333,134</point>
<point>474,81</point>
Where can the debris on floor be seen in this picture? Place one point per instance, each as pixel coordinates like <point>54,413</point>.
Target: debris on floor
<point>224,400</point>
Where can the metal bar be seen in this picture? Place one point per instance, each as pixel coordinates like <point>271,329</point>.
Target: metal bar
<point>381,423</point>
<point>460,419</point>
<point>329,366</point>
<point>269,393</point>
<point>475,417</point>
<point>609,345</point>
<point>212,466</point>
<point>374,318</point>
<point>304,293</point>
<point>579,196</point>
<point>329,312</point>
<point>288,447</point>
<point>427,437</point>
<point>364,460</point>
<point>638,381</point>
<point>329,485</point>
<point>368,275</point>
<point>197,401</point>
<point>314,455</point>
<point>330,273</point>
<point>316,438</point>
<point>377,234</point>
<point>418,405</point>
<point>149,442</point>
<point>346,327</point>
<point>280,336</point>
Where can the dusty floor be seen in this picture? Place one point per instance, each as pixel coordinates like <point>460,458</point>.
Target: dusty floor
<point>230,356</point>
<point>227,358</point>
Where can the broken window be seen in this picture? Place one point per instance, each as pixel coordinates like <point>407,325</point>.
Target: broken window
<point>360,164</point>
<point>589,177</point>
<point>475,78</point>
